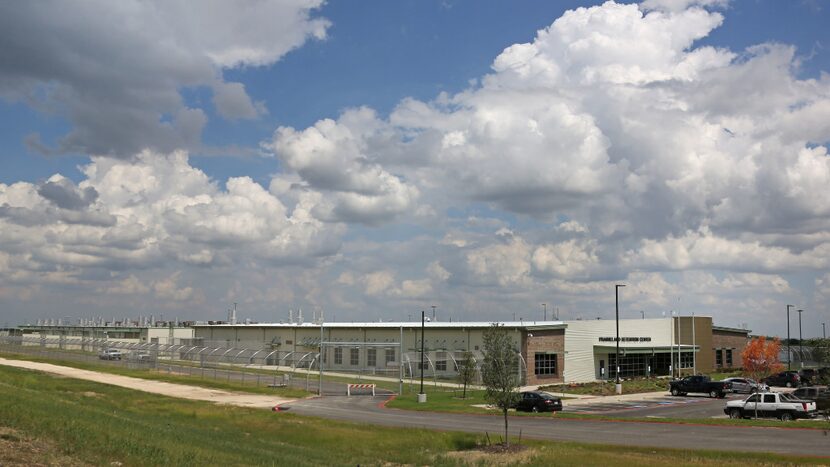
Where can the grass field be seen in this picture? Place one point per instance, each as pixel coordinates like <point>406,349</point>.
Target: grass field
<point>633,386</point>
<point>103,425</point>
<point>286,392</point>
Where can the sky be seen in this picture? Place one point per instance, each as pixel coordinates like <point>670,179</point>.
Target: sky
<point>370,160</point>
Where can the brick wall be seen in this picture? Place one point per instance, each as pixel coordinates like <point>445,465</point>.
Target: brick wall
<point>544,341</point>
<point>726,340</point>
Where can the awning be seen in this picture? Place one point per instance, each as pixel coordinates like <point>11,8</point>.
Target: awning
<point>630,350</point>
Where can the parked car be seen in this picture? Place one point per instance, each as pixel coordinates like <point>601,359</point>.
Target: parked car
<point>699,384</point>
<point>746,385</point>
<point>809,393</point>
<point>771,404</point>
<point>823,401</point>
<point>808,376</point>
<point>788,379</point>
<point>538,401</point>
<point>110,354</point>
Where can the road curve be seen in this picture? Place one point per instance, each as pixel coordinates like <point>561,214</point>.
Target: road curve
<point>791,441</point>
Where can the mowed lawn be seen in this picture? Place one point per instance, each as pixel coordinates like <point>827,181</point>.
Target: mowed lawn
<point>101,425</point>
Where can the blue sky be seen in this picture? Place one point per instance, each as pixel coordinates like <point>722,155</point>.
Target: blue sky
<point>394,164</point>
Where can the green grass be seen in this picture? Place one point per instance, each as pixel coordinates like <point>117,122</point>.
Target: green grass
<point>287,392</point>
<point>101,424</point>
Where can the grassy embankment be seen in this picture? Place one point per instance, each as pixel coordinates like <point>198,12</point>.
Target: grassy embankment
<point>105,425</point>
<point>286,392</point>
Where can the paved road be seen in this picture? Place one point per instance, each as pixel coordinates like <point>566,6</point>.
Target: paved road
<point>663,407</point>
<point>783,441</point>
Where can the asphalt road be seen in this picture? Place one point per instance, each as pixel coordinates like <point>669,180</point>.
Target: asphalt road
<point>664,435</point>
<point>690,406</point>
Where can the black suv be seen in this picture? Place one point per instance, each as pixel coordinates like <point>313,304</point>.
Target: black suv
<point>788,379</point>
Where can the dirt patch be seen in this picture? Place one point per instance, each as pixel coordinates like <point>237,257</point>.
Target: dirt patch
<point>17,449</point>
<point>91,394</point>
<point>157,387</point>
<point>494,454</point>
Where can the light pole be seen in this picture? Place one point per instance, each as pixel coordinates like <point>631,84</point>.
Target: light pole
<point>642,314</point>
<point>800,346</point>
<point>433,312</point>
<point>421,396</point>
<point>545,308</point>
<point>823,331</point>
<point>789,354</point>
<point>617,385</point>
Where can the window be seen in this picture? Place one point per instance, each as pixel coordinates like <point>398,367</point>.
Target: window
<point>719,357</point>
<point>754,398</point>
<point>390,355</point>
<point>769,398</point>
<point>354,356</point>
<point>338,356</point>
<point>371,357</point>
<point>729,358</point>
<point>440,365</point>
<point>545,364</point>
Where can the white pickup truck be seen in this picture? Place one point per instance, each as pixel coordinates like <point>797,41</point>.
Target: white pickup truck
<point>771,404</point>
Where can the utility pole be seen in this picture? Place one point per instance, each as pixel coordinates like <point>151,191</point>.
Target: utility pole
<point>789,354</point>
<point>617,385</point>
<point>800,342</point>
<point>421,396</point>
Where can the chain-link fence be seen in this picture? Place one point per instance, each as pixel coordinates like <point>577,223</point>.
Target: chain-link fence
<point>393,371</point>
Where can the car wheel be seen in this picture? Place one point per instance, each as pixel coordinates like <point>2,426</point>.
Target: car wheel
<point>789,384</point>
<point>675,392</point>
<point>735,413</point>
<point>786,417</point>
<point>535,409</point>
<point>713,394</point>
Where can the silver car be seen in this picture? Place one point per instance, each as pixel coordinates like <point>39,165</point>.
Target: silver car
<point>746,385</point>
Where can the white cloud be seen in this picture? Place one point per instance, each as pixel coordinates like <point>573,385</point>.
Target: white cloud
<point>116,68</point>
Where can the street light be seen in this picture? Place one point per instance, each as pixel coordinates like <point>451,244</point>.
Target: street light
<point>789,354</point>
<point>421,396</point>
<point>800,346</point>
<point>545,307</point>
<point>823,331</point>
<point>617,385</point>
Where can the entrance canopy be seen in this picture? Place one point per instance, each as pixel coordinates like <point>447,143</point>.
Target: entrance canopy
<point>651,349</point>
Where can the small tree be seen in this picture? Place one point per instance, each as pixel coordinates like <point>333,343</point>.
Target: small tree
<point>760,357</point>
<point>466,370</point>
<point>499,371</point>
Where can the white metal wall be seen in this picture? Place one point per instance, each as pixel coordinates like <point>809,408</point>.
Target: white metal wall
<point>581,337</point>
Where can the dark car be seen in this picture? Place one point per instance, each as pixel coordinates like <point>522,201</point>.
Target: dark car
<point>788,379</point>
<point>537,401</point>
<point>809,393</point>
<point>808,375</point>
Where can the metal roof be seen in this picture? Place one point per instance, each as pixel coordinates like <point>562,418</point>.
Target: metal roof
<point>397,325</point>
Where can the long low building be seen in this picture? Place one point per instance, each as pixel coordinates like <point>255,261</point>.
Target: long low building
<point>550,351</point>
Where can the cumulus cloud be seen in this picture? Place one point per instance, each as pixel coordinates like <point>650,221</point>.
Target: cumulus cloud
<point>115,69</point>
<point>161,210</point>
<point>336,158</point>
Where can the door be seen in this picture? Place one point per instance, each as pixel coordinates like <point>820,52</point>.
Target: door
<point>753,402</point>
<point>769,406</point>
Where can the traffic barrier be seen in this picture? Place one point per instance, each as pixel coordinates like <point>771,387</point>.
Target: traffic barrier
<point>349,388</point>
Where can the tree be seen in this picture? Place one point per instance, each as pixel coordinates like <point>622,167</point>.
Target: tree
<point>499,373</point>
<point>466,370</point>
<point>760,357</point>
